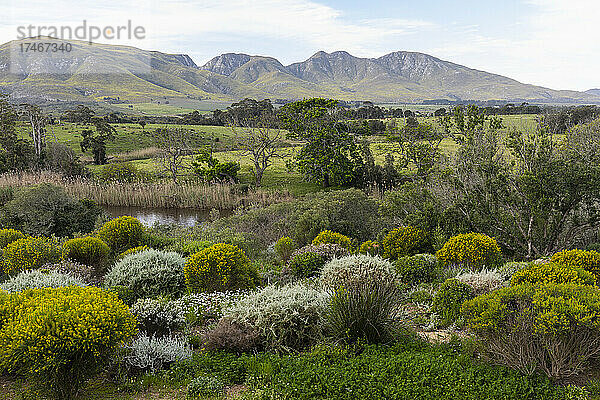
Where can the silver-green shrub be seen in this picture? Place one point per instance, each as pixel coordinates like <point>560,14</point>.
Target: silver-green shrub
<point>484,281</point>
<point>345,271</point>
<point>510,268</point>
<point>159,316</point>
<point>149,273</point>
<point>40,279</point>
<point>286,318</point>
<point>150,353</point>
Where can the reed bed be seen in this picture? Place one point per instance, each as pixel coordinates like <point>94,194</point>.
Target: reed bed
<point>143,194</point>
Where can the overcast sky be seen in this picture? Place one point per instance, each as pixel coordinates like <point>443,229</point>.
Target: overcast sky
<point>553,43</point>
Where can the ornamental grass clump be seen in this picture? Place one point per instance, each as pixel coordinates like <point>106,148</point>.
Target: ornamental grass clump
<point>471,251</point>
<point>586,259</point>
<point>61,337</point>
<point>122,233</point>
<point>405,241</point>
<point>218,268</point>
<point>552,273</point>
<point>30,253</point>
<point>549,328</point>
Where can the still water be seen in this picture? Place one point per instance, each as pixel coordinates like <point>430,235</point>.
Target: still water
<point>151,216</point>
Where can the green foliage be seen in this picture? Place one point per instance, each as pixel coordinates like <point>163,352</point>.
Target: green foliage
<point>133,250</point>
<point>330,237</point>
<point>61,337</point>
<point>218,268</point>
<point>352,270</point>
<point>30,253</point>
<point>586,259</point>
<point>541,273</point>
<point>369,247</point>
<point>47,210</point>
<point>212,170</point>
<point>204,386</point>
<point>305,265</point>
<point>404,241</point>
<point>284,248</point>
<point>420,268</point>
<point>7,236</point>
<point>95,140</point>
<point>124,172</point>
<point>550,328</point>
<point>449,298</point>
<point>473,251</point>
<point>189,247</point>
<point>149,273</point>
<point>87,250</point>
<point>122,233</point>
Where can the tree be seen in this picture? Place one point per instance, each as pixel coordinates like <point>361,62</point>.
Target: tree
<point>212,170</point>
<point>17,153</point>
<point>95,140</point>
<point>37,121</point>
<point>262,143</point>
<point>330,155</point>
<point>81,114</point>
<point>174,145</point>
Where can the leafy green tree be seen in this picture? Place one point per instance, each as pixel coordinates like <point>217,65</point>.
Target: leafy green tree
<point>17,154</point>
<point>212,170</point>
<point>80,114</point>
<point>95,140</point>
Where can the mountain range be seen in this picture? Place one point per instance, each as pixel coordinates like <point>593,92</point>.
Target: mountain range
<point>133,75</point>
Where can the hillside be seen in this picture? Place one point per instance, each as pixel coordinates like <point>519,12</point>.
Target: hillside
<point>129,74</point>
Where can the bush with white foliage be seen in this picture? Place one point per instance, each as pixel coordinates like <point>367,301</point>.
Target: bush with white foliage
<point>151,354</point>
<point>40,279</point>
<point>345,271</point>
<point>484,281</point>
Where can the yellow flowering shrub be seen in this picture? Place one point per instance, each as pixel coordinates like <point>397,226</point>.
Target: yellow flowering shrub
<point>473,251</point>
<point>369,247</point>
<point>552,273</point>
<point>133,250</point>
<point>404,241</point>
<point>8,236</point>
<point>87,250</point>
<point>327,236</point>
<point>218,268</point>
<point>61,336</point>
<point>30,253</point>
<point>122,233</point>
<point>588,260</point>
<point>551,328</point>
<point>284,248</point>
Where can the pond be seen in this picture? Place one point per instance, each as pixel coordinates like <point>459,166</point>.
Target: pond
<point>150,216</point>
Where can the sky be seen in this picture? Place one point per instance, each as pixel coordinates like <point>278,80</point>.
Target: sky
<point>552,43</point>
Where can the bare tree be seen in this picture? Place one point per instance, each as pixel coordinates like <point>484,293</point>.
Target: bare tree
<point>258,139</point>
<point>38,122</point>
<point>174,145</point>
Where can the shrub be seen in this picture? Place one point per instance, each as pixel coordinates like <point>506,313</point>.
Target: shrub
<point>404,241</point>
<point>364,310</point>
<point>473,251</point>
<point>150,273</point>
<point>329,251</point>
<point>346,271</point>
<point>552,273</point>
<point>87,250</point>
<point>124,172</point>
<point>286,318</point>
<point>210,305</point>
<point>151,354</point>
<point>508,269</point>
<point>81,272</point>
<point>61,336</point>
<point>306,264</point>
<point>47,210</point>
<point>551,328</point>
<point>284,248</point>
<point>220,267</point>
<point>448,299</point>
<point>588,260</point>
<point>7,236</point>
<point>159,317</point>
<point>40,278</point>
<point>420,268</point>
<point>231,336</point>
<point>370,248</point>
<point>330,237</point>
<point>421,297</point>
<point>484,281</point>
<point>122,233</point>
<point>204,386</point>
<point>133,250</point>
<point>188,247</point>
<point>30,253</point>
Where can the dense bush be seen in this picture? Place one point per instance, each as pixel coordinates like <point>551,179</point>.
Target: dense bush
<point>188,247</point>
<point>47,210</point>
<point>231,336</point>
<point>420,268</point>
<point>81,272</point>
<point>159,317</point>
<point>202,386</point>
<point>87,250</point>
<point>405,241</point>
<point>473,251</point>
<point>346,271</point>
<point>122,233</point>
<point>407,370</point>
<point>286,318</point>
<point>586,259</point>
<point>284,248</point>
<point>369,247</point>
<point>40,278</point>
<point>149,273</point>
<point>328,251</point>
<point>220,267</point>
<point>306,264</point>
<point>448,299</point>
<point>151,354</point>
<point>552,273</point>
<point>554,329</point>
<point>7,236</point>
<point>133,250</point>
<point>330,237</point>
<point>61,336</point>
<point>508,269</point>
<point>484,281</point>
<point>30,253</point>
<point>124,172</point>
